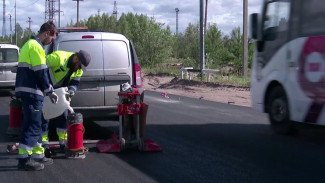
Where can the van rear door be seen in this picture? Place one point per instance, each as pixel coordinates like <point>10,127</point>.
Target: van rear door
<point>117,68</point>
<point>91,85</point>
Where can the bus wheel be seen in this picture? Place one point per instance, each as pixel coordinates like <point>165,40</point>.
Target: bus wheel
<point>278,110</point>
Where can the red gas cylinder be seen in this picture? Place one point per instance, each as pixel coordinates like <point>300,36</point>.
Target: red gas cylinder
<point>15,117</point>
<point>75,131</point>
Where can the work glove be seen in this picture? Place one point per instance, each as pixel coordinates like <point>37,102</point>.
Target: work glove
<point>70,93</point>
<point>54,97</point>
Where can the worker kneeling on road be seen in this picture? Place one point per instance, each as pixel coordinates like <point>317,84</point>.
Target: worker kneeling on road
<point>65,70</point>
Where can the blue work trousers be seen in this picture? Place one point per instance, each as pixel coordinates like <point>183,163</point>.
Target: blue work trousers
<point>60,121</point>
<point>32,122</point>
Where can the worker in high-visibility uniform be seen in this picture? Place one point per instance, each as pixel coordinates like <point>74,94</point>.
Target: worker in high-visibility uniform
<point>32,83</point>
<point>65,70</point>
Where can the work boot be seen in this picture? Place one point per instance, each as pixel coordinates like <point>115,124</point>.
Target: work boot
<point>47,153</point>
<point>29,164</point>
<point>62,148</point>
<point>44,160</point>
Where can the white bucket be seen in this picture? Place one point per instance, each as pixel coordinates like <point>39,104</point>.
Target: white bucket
<point>51,110</point>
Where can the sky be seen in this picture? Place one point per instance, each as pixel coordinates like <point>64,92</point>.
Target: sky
<point>227,14</point>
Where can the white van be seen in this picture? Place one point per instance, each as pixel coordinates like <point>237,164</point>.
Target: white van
<point>113,62</point>
<point>8,59</point>
<point>288,74</point>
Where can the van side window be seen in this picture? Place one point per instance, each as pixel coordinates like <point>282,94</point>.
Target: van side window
<point>276,19</point>
<point>116,55</point>
<point>312,17</point>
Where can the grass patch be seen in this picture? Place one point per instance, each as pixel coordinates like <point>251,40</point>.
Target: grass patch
<point>161,71</point>
<point>231,80</point>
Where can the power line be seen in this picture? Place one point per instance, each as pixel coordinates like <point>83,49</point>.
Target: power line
<point>29,4</point>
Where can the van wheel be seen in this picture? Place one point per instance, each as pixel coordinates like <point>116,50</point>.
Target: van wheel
<point>278,110</point>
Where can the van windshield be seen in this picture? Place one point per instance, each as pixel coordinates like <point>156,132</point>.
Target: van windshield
<point>8,55</point>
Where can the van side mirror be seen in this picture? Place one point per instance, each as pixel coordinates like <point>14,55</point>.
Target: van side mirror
<point>254,26</point>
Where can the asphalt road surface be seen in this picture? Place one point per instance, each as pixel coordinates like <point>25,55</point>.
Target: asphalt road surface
<point>203,141</point>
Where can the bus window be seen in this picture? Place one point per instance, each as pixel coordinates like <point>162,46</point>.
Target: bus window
<point>275,29</point>
<point>312,17</point>
<point>276,19</point>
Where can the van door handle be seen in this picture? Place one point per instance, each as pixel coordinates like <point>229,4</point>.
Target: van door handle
<point>121,73</point>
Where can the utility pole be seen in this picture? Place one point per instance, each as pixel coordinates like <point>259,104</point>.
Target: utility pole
<point>29,21</point>
<point>59,13</point>
<point>15,23</point>
<point>115,10</point>
<point>45,11</point>
<point>10,28</point>
<point>98,12</point>
<point>77,11</point>
<point>245,42</point>
<point>176,10</point>
<point>202,51</point>
<point>206,16</point>
<point>4,19</point>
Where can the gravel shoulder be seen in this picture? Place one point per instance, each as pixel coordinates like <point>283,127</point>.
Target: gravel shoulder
<point>202,90</point>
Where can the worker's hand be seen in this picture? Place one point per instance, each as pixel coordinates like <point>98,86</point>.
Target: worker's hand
<point>70,93</point>
<point>54,97</point>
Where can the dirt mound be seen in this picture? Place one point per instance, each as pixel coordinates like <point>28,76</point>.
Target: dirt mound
<point>167,83</point>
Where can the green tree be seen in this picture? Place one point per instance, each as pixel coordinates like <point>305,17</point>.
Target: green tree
<point>19,36</point>
<point>5,39</point>
<point>189,45</point>
<point>235,48</point>
<point>26,36</point>
<point>216,53</point>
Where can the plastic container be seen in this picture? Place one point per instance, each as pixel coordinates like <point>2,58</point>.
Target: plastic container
<point>51,110</point>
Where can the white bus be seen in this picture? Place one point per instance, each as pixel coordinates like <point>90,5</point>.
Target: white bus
<point>288,74</point>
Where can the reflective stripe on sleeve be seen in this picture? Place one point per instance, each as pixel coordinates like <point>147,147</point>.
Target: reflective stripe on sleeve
<point>39,67</point>
<point>76,78</point>
<point>24,64</point>
<point>52,76</point>
<point>35,68</point>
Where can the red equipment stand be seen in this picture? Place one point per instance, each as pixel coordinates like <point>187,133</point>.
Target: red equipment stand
<point>129,111</point>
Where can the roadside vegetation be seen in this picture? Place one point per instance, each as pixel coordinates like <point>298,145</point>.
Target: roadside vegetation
<point>157,46</point>
<point>227,80</point>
